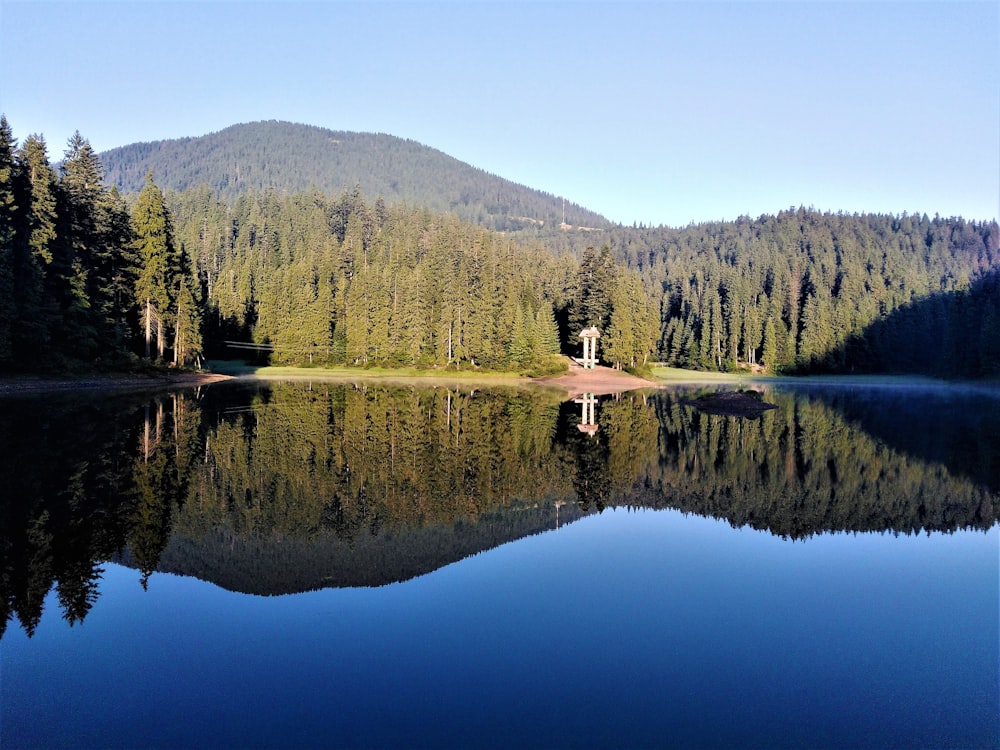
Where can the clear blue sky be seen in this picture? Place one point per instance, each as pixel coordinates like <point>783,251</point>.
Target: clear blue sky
<point>651,112</point>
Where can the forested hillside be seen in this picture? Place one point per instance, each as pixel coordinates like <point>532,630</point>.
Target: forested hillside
<point>806,291</point>
<point>289,158</point>
<point>803,291</point>
<point>312,279</point>
<point>90,276</point>
<point>304,278</point>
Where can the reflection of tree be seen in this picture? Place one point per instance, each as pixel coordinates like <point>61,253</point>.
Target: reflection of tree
<point>295,487</point>
<point>29,597</point>
<point>802,470</point>
<point>62,466</point>
<point>77,588</point>
<point>357,476</point>
<point>589,451</point>
<point>161,476</point>
<point>631,427</point>
<point>364,459</point>
<point>76,493</point>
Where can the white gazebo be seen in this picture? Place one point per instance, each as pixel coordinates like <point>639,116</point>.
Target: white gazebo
<point>589,336</point>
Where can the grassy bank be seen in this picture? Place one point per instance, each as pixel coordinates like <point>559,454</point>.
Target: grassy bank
<point>674,375</point>
<point>237,369</point>
<point>680,377</point>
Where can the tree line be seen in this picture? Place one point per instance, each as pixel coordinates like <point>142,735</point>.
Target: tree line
<point>88,275</point>
<point>81,274</point>
<point>303,278</point>
<point>808,291</point>
<point>313,279</point>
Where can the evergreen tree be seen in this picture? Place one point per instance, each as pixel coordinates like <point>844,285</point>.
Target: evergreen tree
<point>594,285</point>
<point>8,207</point>
<point>186,316</point>
<point>38,285</point>
<point>633,330</point>
<point>546,330</point>
<point>82,253</point>
<point>769,351</point>
<point>155,253</point>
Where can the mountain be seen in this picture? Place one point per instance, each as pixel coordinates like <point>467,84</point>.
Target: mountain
<point>289,157</point>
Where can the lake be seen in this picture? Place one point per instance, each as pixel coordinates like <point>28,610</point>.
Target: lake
<point>318,564</point>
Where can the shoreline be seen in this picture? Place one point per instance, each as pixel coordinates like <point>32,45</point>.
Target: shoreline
<point>600,381</point>
<point>18,385</point>
<point>575,381</point>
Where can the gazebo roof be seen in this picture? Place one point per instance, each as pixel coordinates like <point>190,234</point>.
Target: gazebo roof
<point>590,333</point>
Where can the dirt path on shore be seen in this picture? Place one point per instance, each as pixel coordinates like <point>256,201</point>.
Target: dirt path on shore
<point>599,381</point>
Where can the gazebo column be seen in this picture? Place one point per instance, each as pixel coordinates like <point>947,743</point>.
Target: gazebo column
<point>589,336</point>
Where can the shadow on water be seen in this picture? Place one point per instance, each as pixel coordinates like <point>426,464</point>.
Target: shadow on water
<point>954,426</point>
<point>273,489</point>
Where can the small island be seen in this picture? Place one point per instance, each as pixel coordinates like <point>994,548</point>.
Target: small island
<point>742,403</point>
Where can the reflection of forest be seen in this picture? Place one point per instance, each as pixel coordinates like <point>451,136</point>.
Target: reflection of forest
<point>803,469</point>
<point>274,489</point>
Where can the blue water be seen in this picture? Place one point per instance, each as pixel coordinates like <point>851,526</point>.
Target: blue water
<point>624,629</point>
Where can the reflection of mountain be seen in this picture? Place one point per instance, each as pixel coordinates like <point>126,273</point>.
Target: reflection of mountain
<point>358,486</point>
<point>271,565</point>
<point>278,488</point>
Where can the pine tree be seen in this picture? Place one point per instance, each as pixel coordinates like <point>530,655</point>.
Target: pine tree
<point>8,208</point>
<point>118,300</point>
<point>82,251</point>
<point>37,287</point>
<point>633,330</point>
<point>769,352</point>
<point>592,296</point>
<point>186,315</point>
<point>546,330</point>
<point>154,248</point>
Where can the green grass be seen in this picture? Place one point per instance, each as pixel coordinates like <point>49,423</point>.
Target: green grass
<point>230,367</point>
<point>678,375</point>
<point>696,377</point>
<point>664,375</point>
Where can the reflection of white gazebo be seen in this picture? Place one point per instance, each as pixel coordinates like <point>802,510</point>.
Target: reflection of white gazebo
<point>589,336</point>
<point>588,417</point>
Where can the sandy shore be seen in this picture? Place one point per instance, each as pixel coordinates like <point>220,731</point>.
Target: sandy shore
<point>599,381</point>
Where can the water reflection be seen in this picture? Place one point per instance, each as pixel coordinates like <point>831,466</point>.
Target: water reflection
<point>288,487</point>
<point>588,410</point>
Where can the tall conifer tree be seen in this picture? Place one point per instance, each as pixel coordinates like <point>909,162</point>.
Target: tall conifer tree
<point>8,312</point>
<point>38,287</point>
<point>154,247</point>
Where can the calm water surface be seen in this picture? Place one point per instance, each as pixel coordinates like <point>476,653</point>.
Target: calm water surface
<point>324,565</point>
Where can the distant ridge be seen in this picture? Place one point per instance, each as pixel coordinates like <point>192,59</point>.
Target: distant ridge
<point>289,157</point>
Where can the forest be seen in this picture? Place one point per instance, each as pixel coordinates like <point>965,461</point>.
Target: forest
<point>806,292</point>
<point>92,277</point>
<point>271,489</point>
